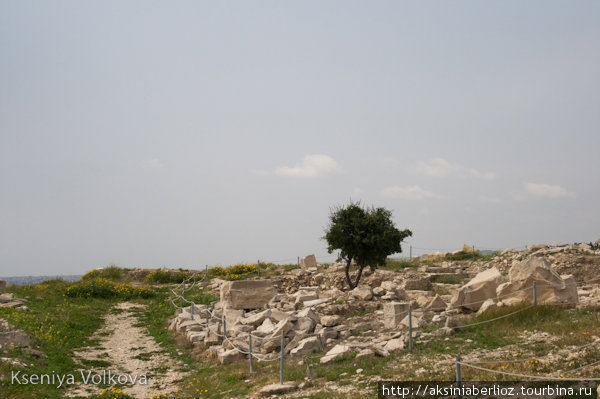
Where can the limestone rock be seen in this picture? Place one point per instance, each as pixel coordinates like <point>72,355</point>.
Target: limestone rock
<point>231,316</point>
<point>257,318</point>
<point>266,327</point>
<point>363,292</point>
<point>335,352</point>
<point>308,261</point>
<point>420,283</point>
<point>536,247</point>
<point>277,389</point>
<point>475,292</point>
<point>367,352</point>
<point>229,356</point>
<point>330,321</point>
<point>394,345</point>
<point>437,304</point>
<point>311,314</point>
<point>14,338</point>
<point>307,346</point>
<point>246,294</point>
<point>393,313</point>
<point>551,288</point>
<point>283,326</point>
<point>304,325</point>
<point>487,305</point>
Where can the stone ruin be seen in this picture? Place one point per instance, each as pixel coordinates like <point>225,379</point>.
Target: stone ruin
<point>308,305</point>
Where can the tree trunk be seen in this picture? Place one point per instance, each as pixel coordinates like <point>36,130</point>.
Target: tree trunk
<point>360,269</point>
<point>348,274</point>
<point>351,283</point>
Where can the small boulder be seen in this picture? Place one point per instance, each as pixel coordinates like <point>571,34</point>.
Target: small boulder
<point>330,321</point>
<point>335,353</point>
<point>363,292</point>
<point>307,346</point>
<point>394,345</point>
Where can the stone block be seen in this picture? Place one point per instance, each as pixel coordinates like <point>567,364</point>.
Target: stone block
<point>247,294</point>
<point>394,313</point>
<point>309,261</point>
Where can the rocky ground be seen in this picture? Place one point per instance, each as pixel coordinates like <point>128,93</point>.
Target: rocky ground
<point>315,312</point>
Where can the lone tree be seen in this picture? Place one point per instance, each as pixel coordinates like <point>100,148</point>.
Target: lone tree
<point>364,235</point>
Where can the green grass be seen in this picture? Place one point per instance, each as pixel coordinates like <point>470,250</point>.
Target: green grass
<point>399,264</point>
<point>446,279</point>
<point>112,273</point>
<point>57,325</point>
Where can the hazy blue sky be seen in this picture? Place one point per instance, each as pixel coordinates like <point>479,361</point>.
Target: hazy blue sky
<point>188,133</point>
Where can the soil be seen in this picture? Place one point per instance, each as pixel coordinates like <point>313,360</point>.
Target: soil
<point>127,349</point>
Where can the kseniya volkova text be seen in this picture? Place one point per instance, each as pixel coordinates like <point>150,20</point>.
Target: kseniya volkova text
<point>105,377</point>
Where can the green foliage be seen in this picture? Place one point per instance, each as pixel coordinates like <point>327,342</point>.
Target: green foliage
<point>56,325</point>
<point>112,272</point>
<point>162,276</point>
<point>446,279</point>
<point>364,235</point>
<point>462,255</point>
<point>235,272</point>
<point>102,288</point>
<point>399,264</point>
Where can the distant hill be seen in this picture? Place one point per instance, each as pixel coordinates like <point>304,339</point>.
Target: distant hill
<point>29,280</point>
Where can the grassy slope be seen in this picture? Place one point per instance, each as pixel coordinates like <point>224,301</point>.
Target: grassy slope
<point>56,326</point>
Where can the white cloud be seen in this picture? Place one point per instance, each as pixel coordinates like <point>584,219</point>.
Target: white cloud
<point>153,163</point>
<point>313,165</point>
<point>436,167</point>
<point>547,190</point>
<point>410,193</point>
<point>439,167</point>
<point>423,211</point>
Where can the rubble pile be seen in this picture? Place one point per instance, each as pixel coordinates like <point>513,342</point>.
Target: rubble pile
<point>8,300</point>
<point>315,312</point>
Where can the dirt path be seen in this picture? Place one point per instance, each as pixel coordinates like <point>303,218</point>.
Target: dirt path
<point>126,349</point>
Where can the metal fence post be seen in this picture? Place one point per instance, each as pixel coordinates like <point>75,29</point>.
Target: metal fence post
<point>410,335</point>
<point>473,252</point>
<point>534,294</point>
<point>205,271</point>
<point>224,327</point>
<point>258,267</point>
<point>410,256</point>
<point>458,376</point>
<point>298,261</point>
<point>250,350</point>
<point>281,361</point>
<point>192,310</point>
<point>182,296</point>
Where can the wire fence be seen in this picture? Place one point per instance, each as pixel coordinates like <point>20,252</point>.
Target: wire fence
<point>214,323</point>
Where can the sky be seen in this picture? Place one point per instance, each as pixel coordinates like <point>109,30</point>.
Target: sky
<point>192,133</point>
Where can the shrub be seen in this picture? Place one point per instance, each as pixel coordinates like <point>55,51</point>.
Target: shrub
<point>103,288</point>
<point>462,255</point>
<point>111,272</point>
<point>162,276</point>
<point>234,272</point>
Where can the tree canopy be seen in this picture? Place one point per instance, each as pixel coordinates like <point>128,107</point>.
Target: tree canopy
<point>363,235</point>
